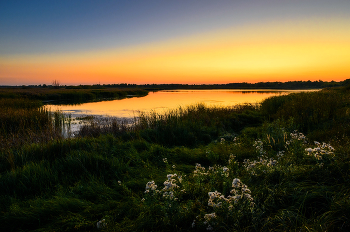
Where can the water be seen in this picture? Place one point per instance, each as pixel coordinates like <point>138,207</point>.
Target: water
<point>162,101</point>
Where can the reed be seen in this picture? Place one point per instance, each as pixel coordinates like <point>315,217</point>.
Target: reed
<point>24,121</point>
<point>189,126</point>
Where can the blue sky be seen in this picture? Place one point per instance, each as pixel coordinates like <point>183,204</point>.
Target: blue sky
<point>36,37</point>
<point>74,25</point>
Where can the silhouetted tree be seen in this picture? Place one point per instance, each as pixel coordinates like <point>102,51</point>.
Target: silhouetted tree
<point>56,84</point>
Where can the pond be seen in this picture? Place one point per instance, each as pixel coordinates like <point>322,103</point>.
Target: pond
<point>162,101</point>
<point>158,102</point>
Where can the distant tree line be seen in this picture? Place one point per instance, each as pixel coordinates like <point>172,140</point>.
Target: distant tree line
<point>243,85</point>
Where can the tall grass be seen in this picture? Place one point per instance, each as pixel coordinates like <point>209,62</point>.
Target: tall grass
<point>189,126</point>
<point>24,121</point>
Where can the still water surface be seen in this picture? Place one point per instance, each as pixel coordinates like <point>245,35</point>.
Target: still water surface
<point>162,101</point>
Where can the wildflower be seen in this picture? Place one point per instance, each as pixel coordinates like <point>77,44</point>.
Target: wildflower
<point>213,195</point>
<point>151,185</point>
<point>248,196</point>
<point>222,140</point>
<point>272,163</point>
<point>170,183</point>
<point>165,160</point>
<point>232,157</point>
<point>309,150</point>
<point>143,199</point>
<point>246,190</point>
<point>174,166</point>
<point>236,182</point>
<point>209,216</point>
<point>235,198</point>
<point>233,191</point>
<point>218,205</point>
<point>169,176</point>
<point>119,182</point>
<point>100,224</point>
<point>280,154</point>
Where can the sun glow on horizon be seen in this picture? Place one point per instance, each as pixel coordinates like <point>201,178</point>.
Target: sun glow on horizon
<point>275,52</point>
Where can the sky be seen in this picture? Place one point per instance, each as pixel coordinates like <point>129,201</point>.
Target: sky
<point>183,41</point>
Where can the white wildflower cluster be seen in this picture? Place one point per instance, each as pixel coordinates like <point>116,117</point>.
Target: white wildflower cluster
<point>150,186</point>
<point>210,216</point>
<point>212,197</point>
<point>239,193</point>
<point>298,136</point>
<point>280,154</point>
<point>170,186</point>
<point>217,169</point>
<point>231,159</point>
<point>320,150</point>
<point>165,160</point>
<point>295,135</point>
<point>236,141</point>
<point>222,140</point>
<point>199,170</point>
<point>100,224</point>
<point>259,146</point>
<point>263,161</point>
<point>225,171</point>
<point>209,220</point>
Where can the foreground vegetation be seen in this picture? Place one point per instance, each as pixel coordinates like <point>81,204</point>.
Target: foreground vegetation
<point>282,165</point>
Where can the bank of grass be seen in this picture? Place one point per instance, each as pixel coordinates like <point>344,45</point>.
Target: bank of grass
<point>191,126</point>
<point>97,181</point>
<point>24,121</point>
<point>67,95</point>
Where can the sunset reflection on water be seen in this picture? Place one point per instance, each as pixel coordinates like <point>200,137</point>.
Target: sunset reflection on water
<point>162,101</point>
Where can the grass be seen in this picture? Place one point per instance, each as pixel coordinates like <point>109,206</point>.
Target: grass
<point>72,184</point>
<point>70,96</point>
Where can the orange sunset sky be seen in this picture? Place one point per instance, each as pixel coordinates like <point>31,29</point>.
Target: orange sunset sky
<point>106,42</point>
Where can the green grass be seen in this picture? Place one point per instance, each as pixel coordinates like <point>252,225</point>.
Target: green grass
<point>71,184</point>
<point>70,96</point>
